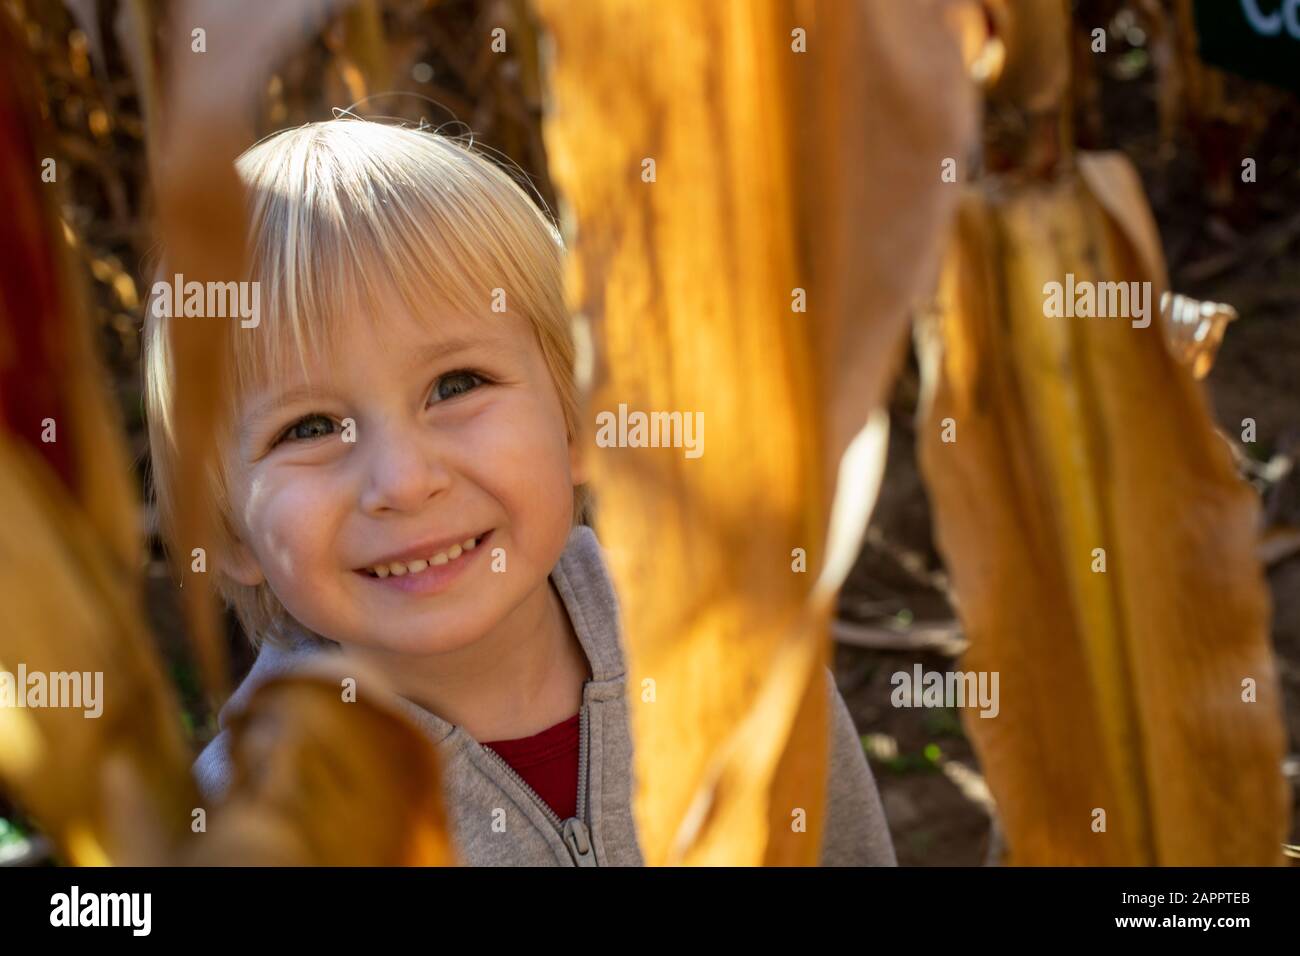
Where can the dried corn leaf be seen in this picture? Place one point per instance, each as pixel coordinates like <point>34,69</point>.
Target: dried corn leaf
<point>69,546</point>
<point>202,127</point>
<point>67,609</point>
<point>767,163</point>
<point>48,373</point>
<point>1122,689</point>
<point>323,780</point>
<point>1035,35</point>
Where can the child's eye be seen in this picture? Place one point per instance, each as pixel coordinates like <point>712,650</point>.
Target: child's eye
<point>307,428</point>
<point>455,383</point>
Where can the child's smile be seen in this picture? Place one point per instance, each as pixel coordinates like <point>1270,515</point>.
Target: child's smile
<point>428,568</point>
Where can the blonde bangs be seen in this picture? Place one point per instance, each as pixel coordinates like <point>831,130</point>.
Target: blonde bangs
<point>347,212</point>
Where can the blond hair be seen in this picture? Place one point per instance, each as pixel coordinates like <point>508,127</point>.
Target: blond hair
<point>339,212</point>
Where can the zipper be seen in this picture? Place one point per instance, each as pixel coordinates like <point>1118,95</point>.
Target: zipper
<point>574,831</point>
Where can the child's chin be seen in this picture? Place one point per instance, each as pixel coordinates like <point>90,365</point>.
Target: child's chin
<point>429,639</point>
<point>424,645</point>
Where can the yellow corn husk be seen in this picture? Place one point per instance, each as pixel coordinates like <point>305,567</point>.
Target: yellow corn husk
<point>769,166</point>
<point>1121,690</point>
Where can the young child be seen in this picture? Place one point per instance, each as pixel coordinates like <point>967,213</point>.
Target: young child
<point>400,482</point>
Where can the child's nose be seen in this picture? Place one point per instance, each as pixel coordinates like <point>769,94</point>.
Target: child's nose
<point>403,471</point>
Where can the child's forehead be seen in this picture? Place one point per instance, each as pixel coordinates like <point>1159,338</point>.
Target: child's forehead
<point>391,325</point>
<point>389,336</point>
<point>402,335</point>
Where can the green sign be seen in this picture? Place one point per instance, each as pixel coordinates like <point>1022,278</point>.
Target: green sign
<point>1259,39</point>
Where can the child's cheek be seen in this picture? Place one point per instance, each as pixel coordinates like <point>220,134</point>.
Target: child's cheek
<point>530,476</point>
<point>523,443</point>
<point>292,518</point>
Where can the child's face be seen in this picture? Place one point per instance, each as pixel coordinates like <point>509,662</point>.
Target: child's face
<point>459,435</point>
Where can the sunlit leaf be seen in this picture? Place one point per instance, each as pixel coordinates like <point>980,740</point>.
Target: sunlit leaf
<point>774,171</point>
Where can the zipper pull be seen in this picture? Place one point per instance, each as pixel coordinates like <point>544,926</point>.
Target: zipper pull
<point>578,840</point>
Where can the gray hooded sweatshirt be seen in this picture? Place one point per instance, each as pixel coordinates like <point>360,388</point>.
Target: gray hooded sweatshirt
<point>478,783</point>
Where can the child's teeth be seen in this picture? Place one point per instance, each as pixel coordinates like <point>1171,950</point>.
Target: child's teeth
<point>399,568</point>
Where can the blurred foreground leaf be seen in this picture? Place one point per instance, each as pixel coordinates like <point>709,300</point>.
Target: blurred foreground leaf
<point>754,203</point>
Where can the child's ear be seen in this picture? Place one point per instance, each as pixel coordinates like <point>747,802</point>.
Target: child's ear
<point>242,565</point>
